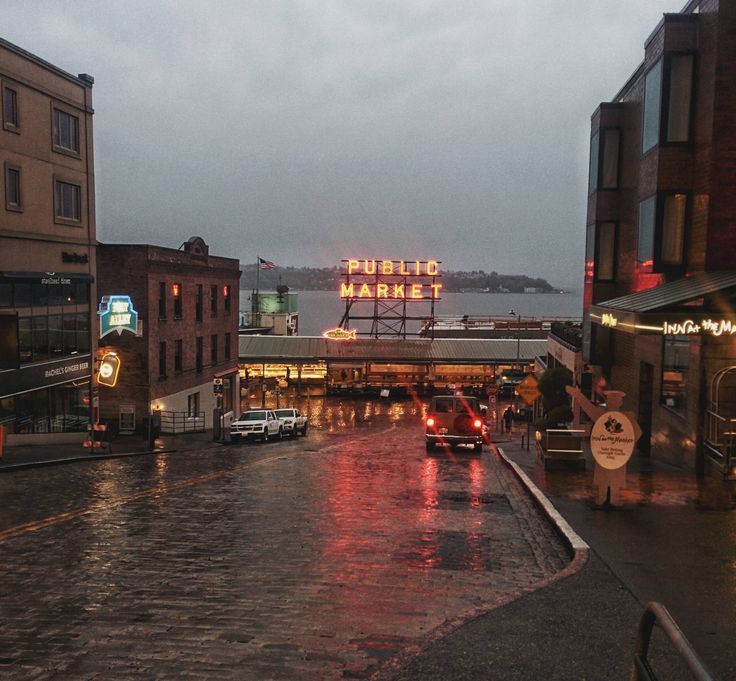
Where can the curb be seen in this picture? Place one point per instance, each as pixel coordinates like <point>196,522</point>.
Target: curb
<point>576,547</point>
<point>9,468</point>
<point>575,544</point>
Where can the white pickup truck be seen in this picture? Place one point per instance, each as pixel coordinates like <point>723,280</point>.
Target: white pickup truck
<point>256,423</point>
<point>293,421</point>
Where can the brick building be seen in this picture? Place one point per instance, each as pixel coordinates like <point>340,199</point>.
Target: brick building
<point>47,249</point>
<point>660,271</point>
<point>187,305</point>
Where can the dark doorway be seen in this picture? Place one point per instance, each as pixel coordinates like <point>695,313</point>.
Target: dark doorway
<point>646,393</point>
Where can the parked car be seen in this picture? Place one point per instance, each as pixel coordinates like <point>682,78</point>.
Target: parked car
<point>455,420</point>
<point>256,423</point>
<point>292,421</point>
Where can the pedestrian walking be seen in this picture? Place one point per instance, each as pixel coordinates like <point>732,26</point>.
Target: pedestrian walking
<point>508,417</point>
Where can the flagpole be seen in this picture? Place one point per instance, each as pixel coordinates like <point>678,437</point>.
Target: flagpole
<point>258,288</point>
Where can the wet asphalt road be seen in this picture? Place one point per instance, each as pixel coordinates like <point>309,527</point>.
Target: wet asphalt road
<point>311,558</point>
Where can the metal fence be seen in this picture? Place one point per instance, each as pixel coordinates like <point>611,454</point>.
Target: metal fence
<point>656,613</point>
<point>179,422</point>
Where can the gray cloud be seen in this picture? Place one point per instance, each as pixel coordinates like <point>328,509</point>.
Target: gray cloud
<point>311,131</point>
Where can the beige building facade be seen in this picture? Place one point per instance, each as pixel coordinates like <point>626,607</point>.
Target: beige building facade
<point>47,249</point>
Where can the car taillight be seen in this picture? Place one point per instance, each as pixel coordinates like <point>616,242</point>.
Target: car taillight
<point>477,423</point>
<point>430,421</point>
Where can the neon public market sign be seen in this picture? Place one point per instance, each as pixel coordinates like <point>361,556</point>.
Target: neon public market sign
<point>390,279</point>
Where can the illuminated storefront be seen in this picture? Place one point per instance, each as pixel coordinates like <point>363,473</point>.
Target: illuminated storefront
<point>369,365</point>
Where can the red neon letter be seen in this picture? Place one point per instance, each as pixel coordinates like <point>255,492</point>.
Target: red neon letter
<point>346,290</point>
<point>352,266</point>
<point>402,268</point>
<point>387,267</point>
<point>382,291</point>
<point>416,290</point>
<point>432,268</point>
<point>369,267</point>
<point>435,290</point>
<point>399,291</point>
<point>365,291</point>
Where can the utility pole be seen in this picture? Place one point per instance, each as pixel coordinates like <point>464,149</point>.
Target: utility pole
<point>518,337</point>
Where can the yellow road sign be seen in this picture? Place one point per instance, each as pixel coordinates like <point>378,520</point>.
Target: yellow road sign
<point>529,389</point>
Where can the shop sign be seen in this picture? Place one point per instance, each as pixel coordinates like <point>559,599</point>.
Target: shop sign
<point>339,333</point>
<point>37,376</point>
<point>689,327</point>
<point>390,280</point>
<point>612,440</point>
<point>117,314</point>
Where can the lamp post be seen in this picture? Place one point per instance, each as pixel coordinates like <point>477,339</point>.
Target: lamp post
<point>518,336</point>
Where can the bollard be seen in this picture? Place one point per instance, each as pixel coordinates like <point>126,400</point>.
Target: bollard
<point>3,431</point>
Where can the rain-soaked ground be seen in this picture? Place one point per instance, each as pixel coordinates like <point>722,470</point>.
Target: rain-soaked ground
<point>312,558</point>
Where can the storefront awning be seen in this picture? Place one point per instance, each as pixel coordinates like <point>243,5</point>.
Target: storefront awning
<point>304,349</point>
<point>703,303</point>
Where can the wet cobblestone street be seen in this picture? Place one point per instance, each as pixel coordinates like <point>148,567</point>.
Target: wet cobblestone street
<point>313,558</point>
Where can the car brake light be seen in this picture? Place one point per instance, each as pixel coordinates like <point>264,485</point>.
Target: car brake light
<point>430,421</point>
<point>477,423</point>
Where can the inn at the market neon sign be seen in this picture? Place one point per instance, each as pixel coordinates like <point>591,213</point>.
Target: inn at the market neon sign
<point>674,327</point>
<point>390,280</point>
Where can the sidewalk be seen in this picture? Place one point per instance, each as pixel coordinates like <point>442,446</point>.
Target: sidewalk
<point>18,457</point>
<point>672,542</point>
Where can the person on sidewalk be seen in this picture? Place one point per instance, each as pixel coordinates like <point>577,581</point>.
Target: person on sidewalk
<point>508,418</point>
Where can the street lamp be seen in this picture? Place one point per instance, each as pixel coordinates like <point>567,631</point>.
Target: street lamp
<point>518,336</point>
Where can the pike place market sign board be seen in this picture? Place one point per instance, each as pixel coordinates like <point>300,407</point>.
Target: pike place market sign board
<point>612,440</point>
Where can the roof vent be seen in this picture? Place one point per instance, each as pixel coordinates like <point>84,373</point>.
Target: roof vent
<point>86,78</point>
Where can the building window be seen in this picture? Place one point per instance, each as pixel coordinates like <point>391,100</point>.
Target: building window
<point>647,215</point>
<point>66,132</point>
<point>162,359</point>
<point>675,363</point>
<point>668,95</point>
<point>662,230</point>
<point>68,203</point>
<point>226,298</point>
<point>176,292</point>
<point>178,350</point>
<point>227,346</point>
<point>679,88</point>
<point>652,107</point>
<point>12,188</point>
<point>193,404</point>
<point>604,159</point>
<point>605,251</point>
<point>213,300</point>
<point>198,303</point>
<point>162,300</point>
<point>674,212</point>
<point>200,350</point>
<point>213,348</point>
<point>10,109</point>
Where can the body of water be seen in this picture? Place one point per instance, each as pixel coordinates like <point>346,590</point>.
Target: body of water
<point>320,310</point>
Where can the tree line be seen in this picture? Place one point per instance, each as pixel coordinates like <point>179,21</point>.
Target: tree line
<point>329,278</point>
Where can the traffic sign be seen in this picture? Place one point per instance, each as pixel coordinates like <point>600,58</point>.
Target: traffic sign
<point>492,389</point>
<point>529,390</point>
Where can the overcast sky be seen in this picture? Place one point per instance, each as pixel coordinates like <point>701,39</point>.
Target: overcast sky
<point>314,130</point>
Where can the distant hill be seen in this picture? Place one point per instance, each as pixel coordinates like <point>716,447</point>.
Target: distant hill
<point>328,279</point>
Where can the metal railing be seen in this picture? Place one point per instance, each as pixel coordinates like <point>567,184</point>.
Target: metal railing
<point>178,422</point>
<point>656,613</point>
<point>721,441</point>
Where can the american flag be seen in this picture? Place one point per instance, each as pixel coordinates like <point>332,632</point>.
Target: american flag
<point>266,264</point>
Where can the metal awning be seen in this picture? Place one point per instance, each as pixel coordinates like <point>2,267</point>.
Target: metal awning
<point>304,349</point>
<point>702,297</point>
